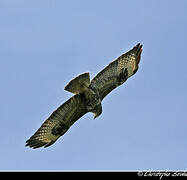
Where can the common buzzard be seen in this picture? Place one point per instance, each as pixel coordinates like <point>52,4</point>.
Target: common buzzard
<point>88,97</point>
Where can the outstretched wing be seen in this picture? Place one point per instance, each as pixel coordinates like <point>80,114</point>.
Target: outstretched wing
<point>117,72</point>
<point>58,123</point>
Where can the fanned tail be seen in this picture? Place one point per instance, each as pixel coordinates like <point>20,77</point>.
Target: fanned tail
<point>79,84</point>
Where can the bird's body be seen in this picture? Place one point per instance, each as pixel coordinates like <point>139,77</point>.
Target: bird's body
<point>88,97</point>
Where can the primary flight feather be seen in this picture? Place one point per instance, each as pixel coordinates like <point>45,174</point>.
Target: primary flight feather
<point>88,97</point>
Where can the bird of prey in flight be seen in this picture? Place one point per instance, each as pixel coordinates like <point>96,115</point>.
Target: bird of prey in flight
<point>88,96</point>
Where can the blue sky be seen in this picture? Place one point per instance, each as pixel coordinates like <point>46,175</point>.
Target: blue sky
<point>45,43</point>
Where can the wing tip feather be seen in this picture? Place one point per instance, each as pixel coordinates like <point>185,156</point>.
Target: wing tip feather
<point>34,143</point>
<point>138,47</point>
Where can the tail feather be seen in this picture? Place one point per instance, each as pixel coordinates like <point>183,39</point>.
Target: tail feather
<point>78,84</point>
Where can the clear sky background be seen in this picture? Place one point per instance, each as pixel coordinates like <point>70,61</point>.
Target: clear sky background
<point>45,43</point>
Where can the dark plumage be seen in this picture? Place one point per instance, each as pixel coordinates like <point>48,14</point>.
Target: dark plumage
<point>88,97</point>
